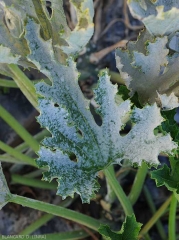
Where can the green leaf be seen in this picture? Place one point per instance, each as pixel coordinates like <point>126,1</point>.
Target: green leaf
<point>159,17</point>
<point>168,177</point>
<point>125,93</point>
<point>149,70</point>
<point>5,194</point>
<point>129,230</point>
<point>170,125</point>
<point>79,148</point>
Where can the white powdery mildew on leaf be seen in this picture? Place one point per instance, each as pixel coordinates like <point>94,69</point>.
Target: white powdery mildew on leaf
<point>7,57</point>
<point>141,142</point>
<point>160,17</point>
<point>80,36</point>
<point>168,102</point>
<point>78,148</point>
<point>147,68</point>
<point>4,190</point>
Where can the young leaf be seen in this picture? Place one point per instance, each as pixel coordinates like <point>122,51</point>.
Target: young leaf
<point>168,177</point>
<point>148,69</point>
<point>5,194</point>
<point>79,148</point>
<point>159,17</point>
<point>129,230</point>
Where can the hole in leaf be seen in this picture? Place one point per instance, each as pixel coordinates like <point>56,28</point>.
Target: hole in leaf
<point>56,105</point>
<point>9,21</point>
<point>49,8</point>
<point>96,116</point>
<point>73,157</point>
<point>53,150</point>
<point>126,129</point>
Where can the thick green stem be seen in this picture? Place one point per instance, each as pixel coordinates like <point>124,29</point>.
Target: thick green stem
<point>110,196</point>
<point>111,178</point>
<point>57,211</point>
<point>172,219</point>
<point>34,174</point>
<point>8,83</point>
<point>155,217</point>
<point>9,159</point>
<point>44,219</point>
<point>38,137</point>
<point>32,182</point>
<point>138,183</point>
<point>12,84</point>
<point>22,157</point>
<point>25,85</point>
<point>177,196</point>
<point>153,210</point>
<point>19,129</point>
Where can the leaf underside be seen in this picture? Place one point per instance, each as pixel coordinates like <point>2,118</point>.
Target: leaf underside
<point>149,68</point>
<point>160,17</point>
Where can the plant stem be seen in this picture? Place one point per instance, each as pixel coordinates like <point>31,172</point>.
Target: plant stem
<point>116,78</point>
<point>147,237</point>
<point>153,210</point>
<point>73,235</point>
<point>19,129</point>
<point>172,219</point>
<point>111,178</point>
<point>138,183</point>
<point>38,137</point>
<point>34,174</point>
<point>25,85</point>
<point>177,196</point>
<point>9,159</point>
<point>8,83</point>
<point>22,157</point>
<point>33,182</point>
<point>57,211</point>
<point>12,84</point>
<point>44,219</point>
<point>155,217</point>
<point>110,196</point>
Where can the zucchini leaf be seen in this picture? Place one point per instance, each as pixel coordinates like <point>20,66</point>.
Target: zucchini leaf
<point>150,70</point>
<point>160,17</point>
<point>168,176</point>
<point>78,148</point>
<point>129,230</point>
